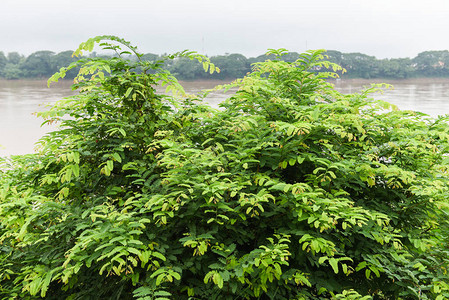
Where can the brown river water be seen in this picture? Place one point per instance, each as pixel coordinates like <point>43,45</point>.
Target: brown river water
<point>20,129</point>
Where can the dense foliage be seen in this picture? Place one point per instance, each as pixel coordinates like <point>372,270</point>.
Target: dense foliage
<point>425,64</point>
<point>357,65</point>
<point>291,190</point>
<point>43,64</point>
<point>40,64</point>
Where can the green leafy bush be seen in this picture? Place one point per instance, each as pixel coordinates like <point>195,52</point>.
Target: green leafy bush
<point>291,190</point>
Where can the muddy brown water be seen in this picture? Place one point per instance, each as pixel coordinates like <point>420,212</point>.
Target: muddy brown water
<point>20,129</point>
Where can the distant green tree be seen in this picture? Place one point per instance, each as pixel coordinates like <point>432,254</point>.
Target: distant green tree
<point>232,66</point>
<point>260,58</point>
<point>186,69</point>
<point>335,56</point>
<point>150,57</point>
<point>432,63</point>
<point>3,62</point>
<point>290,56</point>
<point>14,58</point>
<point>11,71</point>
<point>360,65</point>
<point>400,68</point>
<point>63,59</point>
<point>38,64</point>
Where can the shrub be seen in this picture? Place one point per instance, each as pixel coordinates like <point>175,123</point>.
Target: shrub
<point>291,190</point>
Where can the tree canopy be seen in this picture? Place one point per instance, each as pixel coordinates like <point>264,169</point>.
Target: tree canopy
<point>42,64</point>
<point>291,190</point>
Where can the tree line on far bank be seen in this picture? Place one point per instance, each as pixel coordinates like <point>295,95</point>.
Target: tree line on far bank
<point>43,64</point>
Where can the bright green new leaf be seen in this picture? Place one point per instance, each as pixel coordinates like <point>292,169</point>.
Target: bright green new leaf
<point>334,264</point>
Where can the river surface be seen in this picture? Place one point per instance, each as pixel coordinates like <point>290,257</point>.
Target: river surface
<point>20,129</point>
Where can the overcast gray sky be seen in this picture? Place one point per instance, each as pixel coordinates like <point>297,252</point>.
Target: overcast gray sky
<point>383,28</point>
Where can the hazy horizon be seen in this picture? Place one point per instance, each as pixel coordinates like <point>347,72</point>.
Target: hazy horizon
<point>219,54</point>
<point>382,28</point>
